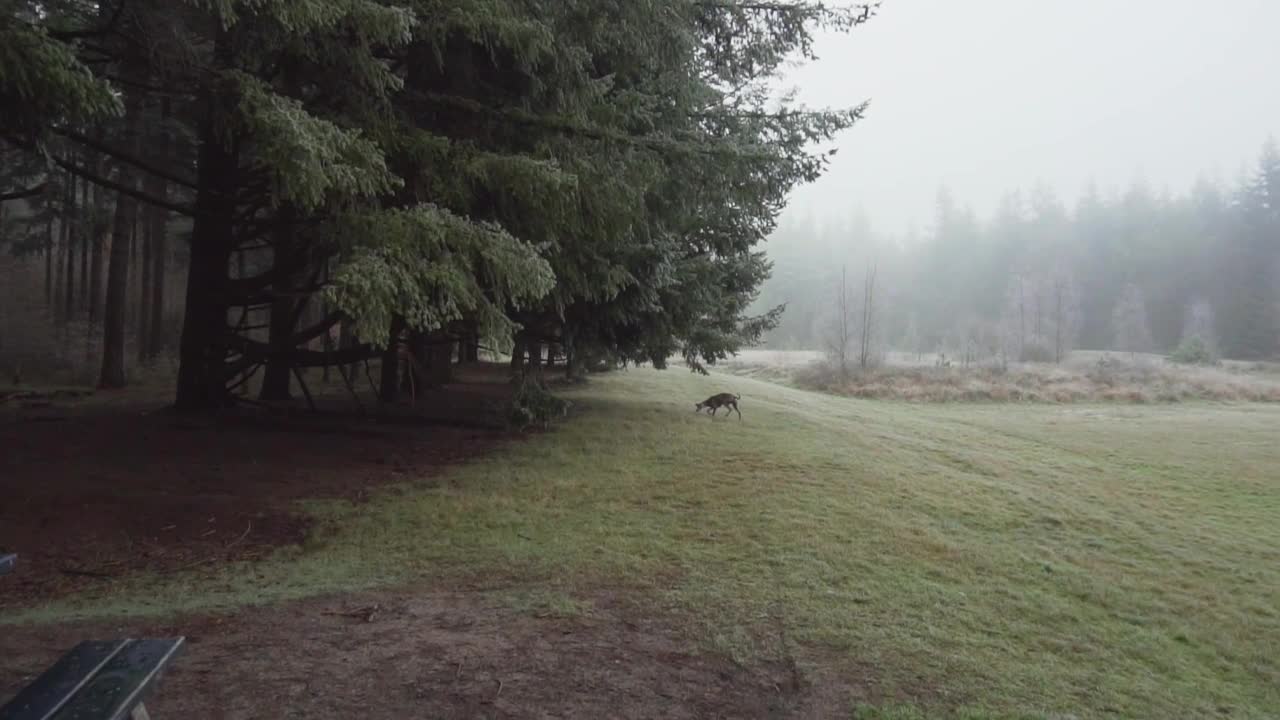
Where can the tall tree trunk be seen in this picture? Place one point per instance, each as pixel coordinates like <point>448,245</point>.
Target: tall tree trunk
<point>97,231</point>
<point>158,224</point>
<point>275,379</point>
<point>347,339</point>
<point>284,315</point>
<point>469,346</point>
<point>86,243</point>
<point>69,283</point>
<point>572,363</point>
<point>326,345</point>
<point>123,226</point>
<point>113,325</point>
<point>389,390</point>
<point>517,356</point>
<point>414,377</point>
<point>439,359</point>
<point>59,270</point>
<point>202,371</point>
<point>48,262</point>
<point>68,250</point>
<point>144,294</point>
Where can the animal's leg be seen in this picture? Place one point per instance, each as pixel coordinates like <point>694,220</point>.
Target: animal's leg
<point>735,409</point>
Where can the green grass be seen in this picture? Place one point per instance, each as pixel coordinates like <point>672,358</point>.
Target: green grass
<point>1003,560</point>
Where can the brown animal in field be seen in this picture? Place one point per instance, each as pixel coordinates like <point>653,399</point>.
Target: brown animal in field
<point>715,402</point>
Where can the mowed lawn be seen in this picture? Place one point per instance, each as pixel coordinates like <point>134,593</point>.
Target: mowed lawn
<point>982,560</point>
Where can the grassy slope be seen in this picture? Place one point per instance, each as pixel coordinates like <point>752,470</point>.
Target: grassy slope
<point>1101,561</point>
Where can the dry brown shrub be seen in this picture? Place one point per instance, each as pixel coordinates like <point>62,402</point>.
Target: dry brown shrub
<point>1136,382</point>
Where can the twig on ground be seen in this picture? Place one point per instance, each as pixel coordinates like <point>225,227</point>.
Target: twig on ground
<point>243,535</point>
<point>365,613</point>
<point>86,573</point>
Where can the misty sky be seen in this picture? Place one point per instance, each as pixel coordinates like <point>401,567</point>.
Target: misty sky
<point>986,96</point>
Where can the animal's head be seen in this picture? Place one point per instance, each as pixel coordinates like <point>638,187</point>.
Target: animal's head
<point>698,406</point>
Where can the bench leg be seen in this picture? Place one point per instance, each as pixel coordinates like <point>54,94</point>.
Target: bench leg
<point>139,713</point>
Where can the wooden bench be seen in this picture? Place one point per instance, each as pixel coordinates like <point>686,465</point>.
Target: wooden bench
<point>7,563</point>
<point>97,680</point>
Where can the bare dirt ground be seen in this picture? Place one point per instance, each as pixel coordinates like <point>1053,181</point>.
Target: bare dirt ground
<point>97,489</point>
<point>408,654</point>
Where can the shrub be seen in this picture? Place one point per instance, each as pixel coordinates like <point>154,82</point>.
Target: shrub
<point>1036,353</point>
<point>1109,379</point>
<point>533,406</point>
<point>1194,351</point>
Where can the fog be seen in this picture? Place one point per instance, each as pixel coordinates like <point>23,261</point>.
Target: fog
<point>988,96</point>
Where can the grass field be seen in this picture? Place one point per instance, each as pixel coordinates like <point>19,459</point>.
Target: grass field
<point>970,560</point>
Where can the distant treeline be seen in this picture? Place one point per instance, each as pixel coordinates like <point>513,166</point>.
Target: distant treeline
<point>1141,271</point>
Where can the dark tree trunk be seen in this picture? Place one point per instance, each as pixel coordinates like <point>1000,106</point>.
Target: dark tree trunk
<point>439,360</point>
<point>159,221</point>
<point>68,251</point>
<point>59,271</point>
<point>96,231</point>
<point>48,262</point>
<point>86,244</point>
<point>572,366</point>
<point>346,340</point>
<point>113,325</point>
<point>389,390</point>
<point>415,376</point>
<point>202,371</point>
<point>125,221</point>
<point>275,379</point>
<point>284,316</point>
<point>517,357</point>
<point>144,294</point>
<point>202,353</point>
<point>326,343</point>
<point>135,269</point>
<point>469,348</point>
<point>69,284</point>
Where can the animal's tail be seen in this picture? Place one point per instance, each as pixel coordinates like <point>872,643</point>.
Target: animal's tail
<point>737,397</point>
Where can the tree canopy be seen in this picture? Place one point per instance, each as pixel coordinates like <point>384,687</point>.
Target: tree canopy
<point>595,173</point>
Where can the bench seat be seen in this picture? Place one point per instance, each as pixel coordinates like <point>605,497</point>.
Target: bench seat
<point>96,680</point>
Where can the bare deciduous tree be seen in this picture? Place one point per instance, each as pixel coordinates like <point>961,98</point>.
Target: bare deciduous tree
<point>1199,323</point>
<point>1014,319</point>
<point>911,343</point>
<point>1129,322</point>
<point>841,332</point>
<point>1065,311</point>
<point>867,348</point>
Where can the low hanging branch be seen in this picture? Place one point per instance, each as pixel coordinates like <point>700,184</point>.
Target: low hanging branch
<point>295,357</point>
<point>24,193</point>
<point>96,179</point>
<point>117,154</point>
